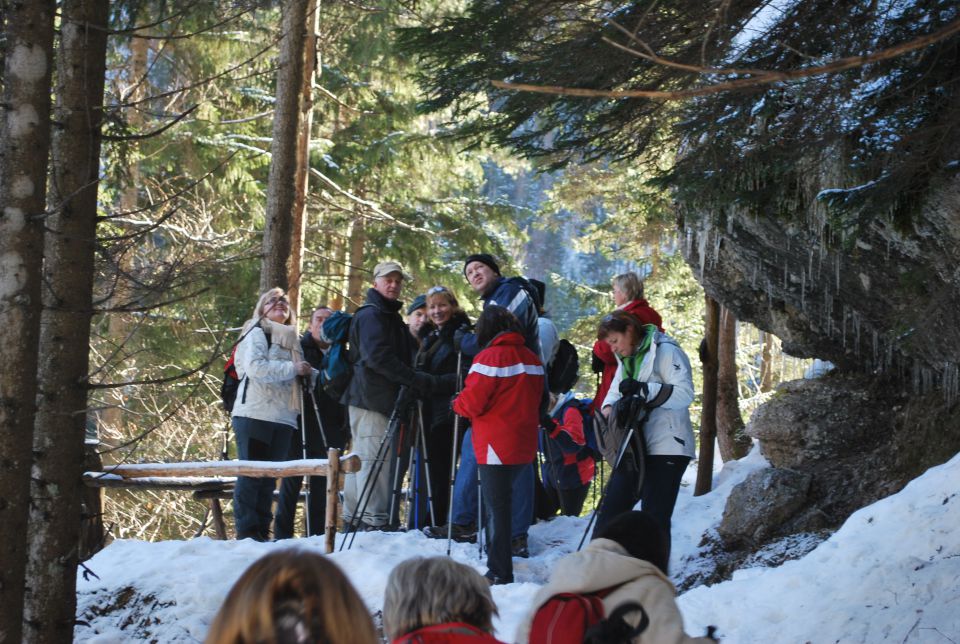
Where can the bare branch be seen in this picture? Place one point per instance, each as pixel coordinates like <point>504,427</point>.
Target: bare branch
<point>148,135</point>
<point>766,78</point>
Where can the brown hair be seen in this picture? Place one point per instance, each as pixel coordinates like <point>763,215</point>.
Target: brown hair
<point>424,591</point>
<point>619,322</point>
<point>292,596</point>
<point>495,320</point>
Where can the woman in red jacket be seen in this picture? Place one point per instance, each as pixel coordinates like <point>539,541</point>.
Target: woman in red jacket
<point>502,397</point>
<point>628,296</point>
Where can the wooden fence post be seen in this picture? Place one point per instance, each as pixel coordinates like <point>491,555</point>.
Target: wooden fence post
<point>333,497</point>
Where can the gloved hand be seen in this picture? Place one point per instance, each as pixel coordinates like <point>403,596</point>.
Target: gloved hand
<point>423,384</point>
<point>458,335</point>
<point>630,387</point>
<point>405,399</point>
<point>548,423</point>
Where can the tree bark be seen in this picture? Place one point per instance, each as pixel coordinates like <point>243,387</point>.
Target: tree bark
<point>24,142</point>
<point>58,447</point>
<point>766,363</point>
<point>355,276</point>
<point>283,229</point>
<point>732,441</point>
<point>708,418</point>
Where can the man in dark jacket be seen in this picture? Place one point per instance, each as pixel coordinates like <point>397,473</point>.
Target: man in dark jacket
<point>483,274</point>
<point>382,348</point>
<point>333,417</point>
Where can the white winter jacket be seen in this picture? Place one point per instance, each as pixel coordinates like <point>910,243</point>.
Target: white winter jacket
<point>604,563</point>
<point>267,375</point>
<point>668,431</point>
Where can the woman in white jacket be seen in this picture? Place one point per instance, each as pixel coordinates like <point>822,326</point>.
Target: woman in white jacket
<point>654,375</point>
<point>264,417</point>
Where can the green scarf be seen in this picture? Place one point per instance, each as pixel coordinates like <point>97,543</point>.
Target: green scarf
<point>631,363</point>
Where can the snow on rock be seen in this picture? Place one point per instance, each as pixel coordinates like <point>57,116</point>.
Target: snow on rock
<point>890,574</point>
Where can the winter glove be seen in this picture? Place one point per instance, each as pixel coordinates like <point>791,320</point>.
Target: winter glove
<point>458,335</point>
<point>631,387</point>
<point>446,384</point>
<point>548,423</point>
<point>423,384</point>
<point>405,400</point>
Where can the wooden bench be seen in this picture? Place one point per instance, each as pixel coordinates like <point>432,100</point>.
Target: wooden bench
<point>209,480</point>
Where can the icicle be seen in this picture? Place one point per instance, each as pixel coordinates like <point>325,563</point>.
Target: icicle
<point>753,278</point>
<point>950,382</point>
<point>855,318</point>
<point>784,278</point>
<point>810,264</point>
<point>716,248</point>
<point>702,251</point>
<point>803,291</point>
<point>876,349</point>
<point>838,272</point>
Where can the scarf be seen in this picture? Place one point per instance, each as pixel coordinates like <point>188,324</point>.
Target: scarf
<point>285,337</point>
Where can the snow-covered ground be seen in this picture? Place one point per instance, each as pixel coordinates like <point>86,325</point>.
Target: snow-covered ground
<point>890,574</point>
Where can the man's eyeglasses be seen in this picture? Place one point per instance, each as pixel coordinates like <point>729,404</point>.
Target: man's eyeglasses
<point>437,289</point>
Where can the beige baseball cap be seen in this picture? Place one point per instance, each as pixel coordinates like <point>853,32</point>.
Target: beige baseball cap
<point>385,268</point>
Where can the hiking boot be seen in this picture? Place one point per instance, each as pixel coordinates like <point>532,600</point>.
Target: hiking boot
<point>459,533</point>
<point>518,547</point>
<point>493,580</point>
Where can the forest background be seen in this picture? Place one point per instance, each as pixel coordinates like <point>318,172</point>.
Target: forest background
<point>165,213</point>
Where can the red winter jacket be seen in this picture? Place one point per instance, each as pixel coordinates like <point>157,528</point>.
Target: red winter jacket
<point>639,309</point>
<point>449,633</point>
<point>501,397</point>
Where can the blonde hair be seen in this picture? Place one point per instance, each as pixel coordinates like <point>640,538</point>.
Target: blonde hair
<point>424,591</point>
<point>630,285</point>
<point>292,596</point>
<point>442,292</point>
<point>258,309</point>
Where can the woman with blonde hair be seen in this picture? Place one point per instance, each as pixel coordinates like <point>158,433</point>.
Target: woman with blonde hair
<point>289,597</point>
<point>435,599</point>
<point>265,414</point>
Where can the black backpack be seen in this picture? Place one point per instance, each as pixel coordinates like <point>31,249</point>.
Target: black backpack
<point>531,290</point>
<point>563,372</point>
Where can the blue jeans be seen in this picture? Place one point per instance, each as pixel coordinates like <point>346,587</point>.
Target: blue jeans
<point>465,492</point>
<point>257,440</point>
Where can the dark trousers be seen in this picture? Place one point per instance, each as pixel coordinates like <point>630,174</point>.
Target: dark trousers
<point>496,483</point>
<point>657,493</point>
<point>291,485</point>
<point>257,440</point>
<point>568,502</point>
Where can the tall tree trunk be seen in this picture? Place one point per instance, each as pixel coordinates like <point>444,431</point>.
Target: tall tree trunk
<point>119,327</point>
<point>766,363</point>
<point>58,446</point>
<point>733,442</point>
<point>24,141</point>
<point>283,229</point>
<point>708,418</point>
<point>355,275</point>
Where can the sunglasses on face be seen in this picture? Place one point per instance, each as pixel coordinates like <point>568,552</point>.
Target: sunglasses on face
<point>275,300</point>
<point>437,289</point>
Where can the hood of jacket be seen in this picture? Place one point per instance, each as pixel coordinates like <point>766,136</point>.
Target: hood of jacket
<point>374,297</point>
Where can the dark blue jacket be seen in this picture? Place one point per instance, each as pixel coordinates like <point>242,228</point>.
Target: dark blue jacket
<point>511,296</point>
<point>381,350</point>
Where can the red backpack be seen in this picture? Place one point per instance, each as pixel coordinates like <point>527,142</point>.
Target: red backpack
<point>575,618</point>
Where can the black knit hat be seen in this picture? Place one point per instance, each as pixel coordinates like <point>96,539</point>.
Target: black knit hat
<point>418,302</point>
<point>483,258</point>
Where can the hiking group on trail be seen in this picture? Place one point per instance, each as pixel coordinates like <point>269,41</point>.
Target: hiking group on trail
<point>452,419</point>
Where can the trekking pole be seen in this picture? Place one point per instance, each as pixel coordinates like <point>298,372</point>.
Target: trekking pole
<point>303,451</point>
<point>426,462</point>
<point>453,458</point>
<point>623,448</point>
<point>479,514</point>
<point>377,465</point>
<point>396,491</point>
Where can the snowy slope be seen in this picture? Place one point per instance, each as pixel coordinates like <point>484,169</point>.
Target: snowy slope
<point>892,573</point>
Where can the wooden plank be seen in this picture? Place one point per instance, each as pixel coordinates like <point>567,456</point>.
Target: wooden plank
<point>257,469</point>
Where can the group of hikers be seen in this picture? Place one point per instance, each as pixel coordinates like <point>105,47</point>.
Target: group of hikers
<point>465,410</point>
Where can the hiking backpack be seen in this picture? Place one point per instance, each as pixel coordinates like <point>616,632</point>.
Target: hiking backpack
<point>572,618</point>
<point>336,368</point>
<point>563,372</point>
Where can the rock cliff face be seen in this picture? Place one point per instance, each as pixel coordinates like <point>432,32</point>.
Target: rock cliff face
<point>885,307</point>
<point>879,301</point>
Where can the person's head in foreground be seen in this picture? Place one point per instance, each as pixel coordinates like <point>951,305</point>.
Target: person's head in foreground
<point>428,591</point>
<point>640,535</point>
<point>289,597</point>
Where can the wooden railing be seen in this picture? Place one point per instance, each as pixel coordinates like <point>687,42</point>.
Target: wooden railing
<point>209,480</point>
